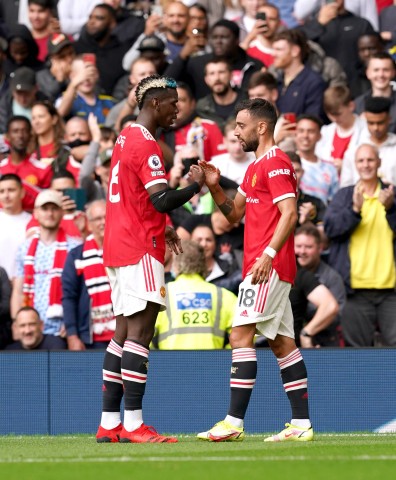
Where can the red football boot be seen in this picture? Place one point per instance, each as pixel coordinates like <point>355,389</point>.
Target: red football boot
<point>109,436</point>
<point>144,434</point>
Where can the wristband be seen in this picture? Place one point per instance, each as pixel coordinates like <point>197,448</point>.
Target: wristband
<point>304,333</point>
<point>270,252</point>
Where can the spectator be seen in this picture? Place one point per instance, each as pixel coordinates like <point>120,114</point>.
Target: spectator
<point>198,19</point>
<point>340,138</point>
<point>337,31</point>
<point>128,26</point>
<point>258,39</point>
<point>368,45</point>
<point>224,41</point>
<point>381,72</point>
<point>221,270</point>
<point>377,114</point>
<point>29,330</point>
<point>22,50</point>
<point>34,174</point>
<point>247,20</point>
<point>361,224</point>
<point>387,29</point>
<point>234,163</point>
<point>81,98</point>
<point>141,68</point>
<point>23,92</point>
<point>178,42</point>
<point>307,246</point>
<point>5,318</point>
<point>54,78</point>
<point>89,318</point>
<point>190,129</point>
<point>13,220</point>
<point>320,178</point>
<point>264,85</point>
<point>300,88</point>
<point>73,14</point>
<point>12,13</point>
<point>363,8</point>
<point>198,315</point>
<point>153,48</point>
<point>4,83</point>
<point>78,137</point>
<point>310,208</point>
<point>229,237</point>
<point>97,38</point>
<point>43,24</point>
<point>219,105</point>
<point>307,289</point>
<point>39,264</point>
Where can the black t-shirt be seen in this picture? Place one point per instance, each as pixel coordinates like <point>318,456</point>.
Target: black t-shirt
<point>49,342</point>
<point>304,284</point>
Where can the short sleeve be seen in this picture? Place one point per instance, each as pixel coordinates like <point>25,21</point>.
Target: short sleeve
<point>280,180</point>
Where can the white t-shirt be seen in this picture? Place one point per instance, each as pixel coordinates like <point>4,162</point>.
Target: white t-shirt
<point>12,234</point>
<point>229,168</point>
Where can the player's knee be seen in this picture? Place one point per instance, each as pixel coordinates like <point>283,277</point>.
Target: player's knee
<point>240,338</point>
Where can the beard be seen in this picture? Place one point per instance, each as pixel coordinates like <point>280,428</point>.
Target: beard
<point>100,35</point>
<point>251,145</point>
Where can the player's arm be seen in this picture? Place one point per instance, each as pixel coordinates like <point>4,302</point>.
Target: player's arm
<point>233,210</point>
<point>286,225</point>
<point>164,199</point>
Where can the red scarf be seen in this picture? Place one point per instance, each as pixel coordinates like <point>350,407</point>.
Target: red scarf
<point>55,294</point>
<point>98,286</point>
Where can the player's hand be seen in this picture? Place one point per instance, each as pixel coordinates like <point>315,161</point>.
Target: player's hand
<point>173,241</point>
<point>196,174</point>
<point>261,269</point>
<point>387,197</point>
<point>212,174</point>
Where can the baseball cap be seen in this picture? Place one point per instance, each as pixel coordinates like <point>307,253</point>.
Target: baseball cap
<point>24,78</point>
<point>56,42</point>
<point>151,42</point>
<point>105,156</point>
<point>48,196</point>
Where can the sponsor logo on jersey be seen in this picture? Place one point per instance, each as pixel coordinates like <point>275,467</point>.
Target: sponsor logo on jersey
<point>244,313</point>
<point>254,180</point>
<point>121,140</point>
<point>199,300</point>
<point>279,171</point>
<point>154,162</point>
<point>252,200</point>
<point>158,174</point>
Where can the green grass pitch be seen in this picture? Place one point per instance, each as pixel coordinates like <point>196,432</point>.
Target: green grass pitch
<point>329,457</point>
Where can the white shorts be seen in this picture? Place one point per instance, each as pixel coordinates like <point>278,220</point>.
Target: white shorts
<point>133,286</point>
<point>267,305</point>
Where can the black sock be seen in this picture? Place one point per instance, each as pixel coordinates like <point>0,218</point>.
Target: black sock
<point>112,389</point>
<point>134,366</point>
<point>294,378</point>
<point>243,378</point>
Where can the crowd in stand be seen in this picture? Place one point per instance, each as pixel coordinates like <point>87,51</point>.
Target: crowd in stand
<point>68,75</point>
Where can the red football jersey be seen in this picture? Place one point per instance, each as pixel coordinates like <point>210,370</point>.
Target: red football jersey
<point>133,226</point>
<point>34,174</point>
<point>267,181</point>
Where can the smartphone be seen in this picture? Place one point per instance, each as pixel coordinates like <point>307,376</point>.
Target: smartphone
<point>261,16</point>
<point>329,1</point>
<point>156,9</point>
<point>187,162</point>
<point>79,196</point>
<point>196,31</point>
<point>89,58</point>
<point>290,117</point>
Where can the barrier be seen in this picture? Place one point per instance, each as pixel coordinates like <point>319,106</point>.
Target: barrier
<point>60,392</point>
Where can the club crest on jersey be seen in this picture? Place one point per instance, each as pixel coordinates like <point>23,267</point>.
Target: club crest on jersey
<point>162,292</point>
<point>154,162</point>
<point>254,180</point>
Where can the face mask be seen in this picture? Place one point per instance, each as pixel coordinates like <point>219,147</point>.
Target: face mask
<point>77,143</point>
